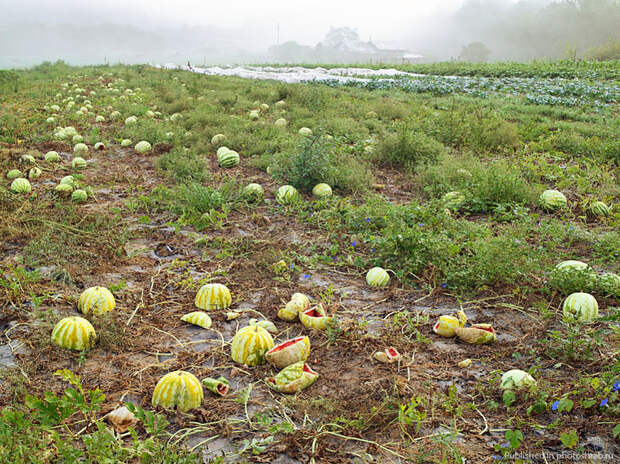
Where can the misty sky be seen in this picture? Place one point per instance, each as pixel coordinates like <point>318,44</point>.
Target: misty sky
<point>383,20</point>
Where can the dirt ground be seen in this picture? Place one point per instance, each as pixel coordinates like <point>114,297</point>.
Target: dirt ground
<point>145,338</point>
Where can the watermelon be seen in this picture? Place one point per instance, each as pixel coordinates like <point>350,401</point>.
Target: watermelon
<point>78,163</point>
<point>213,296</point>
<point>21,185</point>
<point>13,174</point>
<point>178,389</point>
<point>572,276</point>
<point>552,200</point>
<point>516,379</point>
<point>79,196</point>
<point>287,194</point>
<point>580,306</point>
<point>608,284</point>
<point>599,209</point>
<point>74,333</point>
<point>253,192</point>
<point>96,300</point>
<point>322,191</point>
<point>377,277</point>
<point>229,159</point>
<point>143,147</point>
<point>250,344</point>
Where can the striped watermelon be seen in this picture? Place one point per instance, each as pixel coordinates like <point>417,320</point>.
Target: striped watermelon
<point>322,191</point>
<point>580,306</point>
<point>293,378</point>
<point>551,200</point>
<point>198,318</point>
<point>78,163</point>
<point>213,296</point>
<point>287,194</point>
<point>21,185</point>
<point>180,389</point>
<point>253,192</point>
<point>315,318</point>
<point>377,277</point>
<point>74,333</point>
<point>13,174</point>
<point>96,300</point>
<point>217,139</point>
<point>250,344</point>
<point>599,209</point>
<point>289,352</point>
<point>229,159</point>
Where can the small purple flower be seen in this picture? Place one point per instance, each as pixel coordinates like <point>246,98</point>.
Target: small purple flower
<point>354,243</point>
<point>368,220</point>
<point>420,224</point>
<point>555,405</point>
<point>306,276</point>
<point>444,285</point>
<point>372,250</point>
<point>604,402</point>
<point>311,213</point>
<point>505,445</point>
<point>616,386</point>
<point>496,457</point>
<point>292,266</point>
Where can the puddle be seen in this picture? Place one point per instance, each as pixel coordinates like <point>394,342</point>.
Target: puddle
<point>7,359</point>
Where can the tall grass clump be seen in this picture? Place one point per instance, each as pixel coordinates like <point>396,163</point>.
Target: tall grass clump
<point>183,165</point>
<point>484,184</point>
<point>407,149</point>
<point>321,159</point>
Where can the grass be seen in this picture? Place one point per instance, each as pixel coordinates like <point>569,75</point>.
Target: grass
<point>162,223</point>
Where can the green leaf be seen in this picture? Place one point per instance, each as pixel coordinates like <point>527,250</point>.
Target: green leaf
<point>570,439</point>
<point>565,405</point>
<point>509,397</point>
<point>514,437</point>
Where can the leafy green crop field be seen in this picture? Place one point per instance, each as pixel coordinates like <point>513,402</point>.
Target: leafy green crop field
<point>437,181</point>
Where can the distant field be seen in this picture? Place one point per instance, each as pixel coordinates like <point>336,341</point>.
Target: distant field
<point>569,69</point>
<point>437,181</point>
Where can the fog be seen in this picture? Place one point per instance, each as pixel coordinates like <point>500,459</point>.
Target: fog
<point>157,31</point>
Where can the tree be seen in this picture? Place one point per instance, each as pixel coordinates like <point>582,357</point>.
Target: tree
<point>475,51</point>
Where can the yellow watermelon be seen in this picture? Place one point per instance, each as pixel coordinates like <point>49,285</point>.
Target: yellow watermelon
<point>250,344</point>
<point>180,389</point>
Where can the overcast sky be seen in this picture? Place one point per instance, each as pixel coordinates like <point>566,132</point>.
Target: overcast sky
<point>306,22</point>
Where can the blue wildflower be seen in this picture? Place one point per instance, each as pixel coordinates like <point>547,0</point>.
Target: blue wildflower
<point>372,250</point>
<point>354,243</point>
<point>496,457</point>
<point>604,402</point>
<point>306,276</point>
<point>368,220</point>
<point>420,224</point>
<point>555,405</point>
<point>616,386</point>
<point>444,285</point>
<point>292,266</point>
<point>505,445</point>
